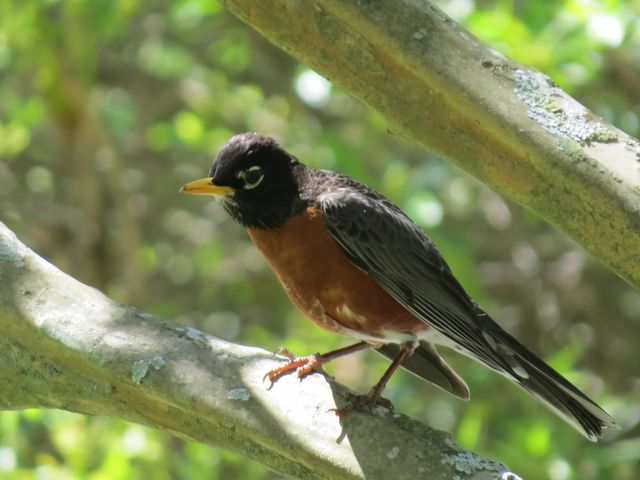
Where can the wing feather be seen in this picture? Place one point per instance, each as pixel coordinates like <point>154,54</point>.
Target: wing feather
<point>382,241</point>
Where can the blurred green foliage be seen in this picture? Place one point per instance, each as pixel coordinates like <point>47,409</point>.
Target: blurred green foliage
<point>108,106</point>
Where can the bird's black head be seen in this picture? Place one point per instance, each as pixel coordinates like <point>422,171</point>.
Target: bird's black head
<point>256,179</point>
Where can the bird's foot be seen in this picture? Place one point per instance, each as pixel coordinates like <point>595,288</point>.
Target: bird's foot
<point>303,366</point>
<point>366,402</point>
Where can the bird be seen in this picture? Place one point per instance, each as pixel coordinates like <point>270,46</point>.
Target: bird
<point>355,264</point>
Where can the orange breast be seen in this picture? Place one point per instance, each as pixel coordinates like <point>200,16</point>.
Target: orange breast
<point>325,286</point>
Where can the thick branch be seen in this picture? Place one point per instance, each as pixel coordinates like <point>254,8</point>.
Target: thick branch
<point>65,345</point>
<point>506,124</point>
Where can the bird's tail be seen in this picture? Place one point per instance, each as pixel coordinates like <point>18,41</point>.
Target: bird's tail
<point>523,367</point>
<point>426,363</point>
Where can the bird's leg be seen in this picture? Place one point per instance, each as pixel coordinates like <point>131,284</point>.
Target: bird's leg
<point>304,366</point>
<point>374,396</point>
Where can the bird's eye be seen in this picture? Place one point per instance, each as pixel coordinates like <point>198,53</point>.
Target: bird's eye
<point>252,177</point>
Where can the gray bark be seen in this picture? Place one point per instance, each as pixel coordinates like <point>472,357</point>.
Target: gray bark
<point>507,124</point>
<point>65,345</point>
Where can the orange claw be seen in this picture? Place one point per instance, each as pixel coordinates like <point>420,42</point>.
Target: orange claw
<point>303,366</point>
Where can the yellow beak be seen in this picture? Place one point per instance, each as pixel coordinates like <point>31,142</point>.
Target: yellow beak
<point>205,186</point>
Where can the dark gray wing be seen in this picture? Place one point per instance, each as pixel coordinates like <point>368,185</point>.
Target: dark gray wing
<point>381,240</point>
<point>387,245</point>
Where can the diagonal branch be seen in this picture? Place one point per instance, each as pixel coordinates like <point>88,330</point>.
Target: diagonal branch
<point>65,345</point>
<point>508,125</point>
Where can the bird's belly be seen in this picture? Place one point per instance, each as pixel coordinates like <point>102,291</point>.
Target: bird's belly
<point>325,286</point>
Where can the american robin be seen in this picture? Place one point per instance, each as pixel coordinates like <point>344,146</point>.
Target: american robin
<point>355,264</point>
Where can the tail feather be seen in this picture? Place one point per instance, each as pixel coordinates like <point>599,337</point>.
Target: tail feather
<point>426,363</point>
<point>548,386</point>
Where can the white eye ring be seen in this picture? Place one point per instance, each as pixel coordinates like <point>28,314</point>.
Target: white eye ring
<point>245,173</point>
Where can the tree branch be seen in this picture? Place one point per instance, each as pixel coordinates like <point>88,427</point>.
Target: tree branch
<point>508,125</point>
<point>65,345</point>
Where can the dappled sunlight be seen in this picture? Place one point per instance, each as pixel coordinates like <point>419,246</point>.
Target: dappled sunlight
<point>306,417</point>
<point>107,108</point>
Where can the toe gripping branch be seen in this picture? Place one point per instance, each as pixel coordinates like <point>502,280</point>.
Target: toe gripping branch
<point>309,364</point>
<point>374,396</point>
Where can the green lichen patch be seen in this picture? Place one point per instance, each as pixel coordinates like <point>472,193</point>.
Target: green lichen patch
<point>468,463</point>
<point>140,368</point>
<point>556,111</point>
